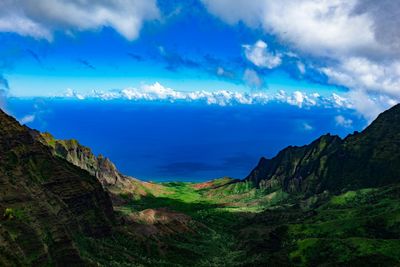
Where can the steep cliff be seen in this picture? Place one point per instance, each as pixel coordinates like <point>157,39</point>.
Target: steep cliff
<point>113,181</point>
<point>82,156</point>
<point>45,202</point>
<point>369,158</point>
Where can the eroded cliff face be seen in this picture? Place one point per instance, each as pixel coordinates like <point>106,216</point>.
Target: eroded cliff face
<point>113,181</point>
<point>367,159</point>
<point>45,202</point>
<point>82,156</point>
<point>295,168</point>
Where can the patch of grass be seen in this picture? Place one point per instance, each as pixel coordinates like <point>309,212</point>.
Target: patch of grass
<point>245,226</point>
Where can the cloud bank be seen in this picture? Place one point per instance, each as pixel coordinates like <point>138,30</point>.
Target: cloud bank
<point>41,18</point>
<point>354,43</point>
<point>158,92</point>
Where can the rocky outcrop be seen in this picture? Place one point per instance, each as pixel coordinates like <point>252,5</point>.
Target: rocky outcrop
<point>83,157</point>
<point>45,202</point>
<point>367,159</point>
<point>114,182</point>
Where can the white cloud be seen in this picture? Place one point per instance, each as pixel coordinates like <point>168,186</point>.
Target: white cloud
<point>354,42</point>
<point>320,27</point>
<point>361,73</point>
<point>260,56</point>
<point>368,106</point>
<point>73,94</point>
<point>299,99</point>
<point>252,78</point>
<point>41,18</point>
<point>152,92</point>
<point>27,119</point>
<point>342,121</point>
<point>158,92</point>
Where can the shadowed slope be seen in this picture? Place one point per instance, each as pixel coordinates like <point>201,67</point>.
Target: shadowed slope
<point>45,202</point>
<point>99,166</point>
<point>369,158</point>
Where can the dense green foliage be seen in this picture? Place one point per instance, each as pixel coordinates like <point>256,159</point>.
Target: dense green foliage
<point>354,228</point>
<point>334,202</point>
<point>367,159</point>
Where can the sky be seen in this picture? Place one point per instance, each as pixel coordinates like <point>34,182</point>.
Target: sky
<point>203,85</point>
<point>343,53</point>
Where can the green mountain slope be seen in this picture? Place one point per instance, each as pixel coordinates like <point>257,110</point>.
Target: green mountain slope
<point>334,202</point>
<point>367,159</point>
<point>45,202</point>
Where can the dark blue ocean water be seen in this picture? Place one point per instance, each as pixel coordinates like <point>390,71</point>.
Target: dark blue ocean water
<point>181,141</point>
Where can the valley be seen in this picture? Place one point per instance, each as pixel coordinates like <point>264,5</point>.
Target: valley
<point>64,206</point>
<point>191,226</point>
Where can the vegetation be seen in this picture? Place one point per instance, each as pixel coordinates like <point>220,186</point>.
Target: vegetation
<point>360,226</point>
<point>332,203</point>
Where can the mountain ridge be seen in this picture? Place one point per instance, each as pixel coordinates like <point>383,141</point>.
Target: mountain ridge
<point>368,158</point>
<point>64,206</point>
<point>45,202</point>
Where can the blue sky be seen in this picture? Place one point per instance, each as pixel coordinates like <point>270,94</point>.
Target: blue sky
<point>87,49</point>
<point>193,87</point>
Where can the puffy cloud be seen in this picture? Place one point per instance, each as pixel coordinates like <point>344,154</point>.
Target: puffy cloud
<point>342,121</point>
<point>374,86</point>
<point>367,75</point>
<point>73,94</point>
<point>152,92</point>
<point>158,92</point>
<point>320,27</point>
<point>299,99</point>
<point>354,43</point>
<point>369,105</point>
<point>260,56</point>
<point>41,18</point>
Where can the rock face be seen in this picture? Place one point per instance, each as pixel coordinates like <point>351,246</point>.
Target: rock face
<point>114,182</point>
<point>83,157</point>
<point>367,159</point>
<point>46,203</point>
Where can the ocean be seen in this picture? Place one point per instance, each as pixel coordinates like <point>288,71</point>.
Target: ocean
<point>162,141</point>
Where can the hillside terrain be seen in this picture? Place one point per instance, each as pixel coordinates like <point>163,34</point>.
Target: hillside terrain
<point>45,202</point>
<point>367,159</point>
<point>334,202</point>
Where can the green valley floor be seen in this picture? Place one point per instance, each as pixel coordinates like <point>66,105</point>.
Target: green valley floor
<point>230,223</point>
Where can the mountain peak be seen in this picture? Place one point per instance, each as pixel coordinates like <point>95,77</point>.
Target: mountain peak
<point>369,158</point>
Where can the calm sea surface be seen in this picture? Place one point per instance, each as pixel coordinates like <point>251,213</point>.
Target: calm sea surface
<point>181,141</point>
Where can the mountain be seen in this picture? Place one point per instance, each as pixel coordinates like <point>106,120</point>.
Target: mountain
<point>334,202</point>
<point>113,181</point>
<point>45,202</point>
<point>367,159</point>
<point>82,156</point>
